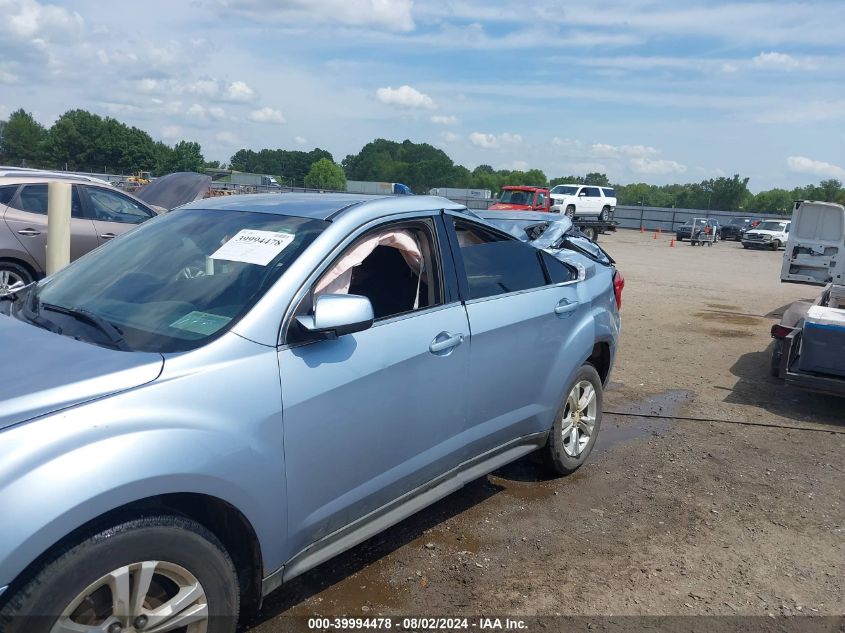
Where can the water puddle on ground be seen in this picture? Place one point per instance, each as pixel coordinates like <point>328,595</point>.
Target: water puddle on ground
<point>618,429</point>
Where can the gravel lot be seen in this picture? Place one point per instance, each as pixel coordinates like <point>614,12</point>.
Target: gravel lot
<point>669,517</point>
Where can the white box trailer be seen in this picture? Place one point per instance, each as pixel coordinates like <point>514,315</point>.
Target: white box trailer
<point>815,250</point>
<point>461,194</point>
<point>810,339</point>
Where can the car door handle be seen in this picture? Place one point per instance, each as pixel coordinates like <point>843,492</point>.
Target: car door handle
<point>108,236</point>
<point>565,307</point>
<point>440,344</point>
<point>29,232</point>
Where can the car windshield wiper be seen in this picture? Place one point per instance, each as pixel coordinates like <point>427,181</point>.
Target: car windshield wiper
<point>81,314</point>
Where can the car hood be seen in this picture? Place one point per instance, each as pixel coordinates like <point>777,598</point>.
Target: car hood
<point>43,372</point>
<point>759,232</point>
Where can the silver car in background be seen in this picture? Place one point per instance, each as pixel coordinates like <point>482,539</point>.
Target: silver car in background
<point>237,391</point>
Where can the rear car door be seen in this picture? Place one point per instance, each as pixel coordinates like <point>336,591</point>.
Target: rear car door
<point>26,217</point>
<point>375,415</point>
<point>524,311</point>
<point>113,213</point>
<point>594,200</point>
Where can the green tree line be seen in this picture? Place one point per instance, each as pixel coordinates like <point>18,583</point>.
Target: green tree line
<point>83,141</point>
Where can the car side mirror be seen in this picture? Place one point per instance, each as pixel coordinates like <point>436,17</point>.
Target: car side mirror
<point>337,315</point>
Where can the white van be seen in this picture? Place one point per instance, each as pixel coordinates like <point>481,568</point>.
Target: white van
<point>815,250</point>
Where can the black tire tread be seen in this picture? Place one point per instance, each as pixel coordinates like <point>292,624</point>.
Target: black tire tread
<point>61,556</point>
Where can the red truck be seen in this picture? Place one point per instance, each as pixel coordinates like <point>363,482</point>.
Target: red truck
<point>518,198</point>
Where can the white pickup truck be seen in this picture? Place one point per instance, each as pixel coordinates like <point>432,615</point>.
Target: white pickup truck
<point>768,234</point>
<point>580,200</point>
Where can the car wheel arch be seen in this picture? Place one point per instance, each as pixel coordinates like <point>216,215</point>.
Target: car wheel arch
<point>32,270</point>
<point>220,517</point>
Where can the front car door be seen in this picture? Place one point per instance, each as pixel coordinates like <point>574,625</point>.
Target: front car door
<point>113,213</point>
<point>375,415</point>
<point>524,312</point>
<point>26,216</point>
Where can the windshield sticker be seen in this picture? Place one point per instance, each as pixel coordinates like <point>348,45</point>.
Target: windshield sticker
<point>200,323</point>
<point>254,247</point>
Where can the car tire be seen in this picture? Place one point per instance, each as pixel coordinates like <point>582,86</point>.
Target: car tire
<point>776,245</point>
<point>745,246</point>
<point>605,212</point>
<point>565,453</point>
<point>570,211</point>
<point>591,233</point>
<point>175,553</point>
<point>12,273</point>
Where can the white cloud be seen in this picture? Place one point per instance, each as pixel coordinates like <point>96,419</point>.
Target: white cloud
<point>171,132</point>
<point>451,137</point>
<point>519,165</point>
<point>392,15</point>
<point>602,150</point>
<point>729,68</point>
<point>441,119</point>
<point>798,111</point>
<point>405,97</point>
<point>804,165</point>
<point>300,140</point>
<point>30,20</point>
<point>217,112</point>
<point>645,165</point>
<point>227,137</point>
<point>238,91</point>
<point>197,112</point>
<point>494,141</point>
<point>267,115</point>
<point>781,61</point>
<point>7,77</point>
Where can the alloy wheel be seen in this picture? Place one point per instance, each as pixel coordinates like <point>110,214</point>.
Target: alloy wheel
<point>10,282</point>
<point>579,418</point>
<point>148,597</point>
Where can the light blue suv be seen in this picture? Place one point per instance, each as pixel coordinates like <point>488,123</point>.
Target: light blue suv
<point>235,392</point>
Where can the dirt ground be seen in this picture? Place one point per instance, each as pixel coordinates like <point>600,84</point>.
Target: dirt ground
<point>669,517</point>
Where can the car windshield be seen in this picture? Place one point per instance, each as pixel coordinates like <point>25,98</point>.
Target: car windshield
<point>697,222</point>
<point>771,226</point>
<point>566,190</point>
<point>740,221</point>
<point>174,283</point>
<point>515,196</point>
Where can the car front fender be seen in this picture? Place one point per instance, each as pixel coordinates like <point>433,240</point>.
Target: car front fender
<point>65,470</point>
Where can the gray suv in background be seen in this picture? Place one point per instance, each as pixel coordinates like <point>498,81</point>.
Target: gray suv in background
<point>99,213</point>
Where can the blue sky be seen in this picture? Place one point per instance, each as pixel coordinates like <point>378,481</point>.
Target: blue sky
<point>644,90</point>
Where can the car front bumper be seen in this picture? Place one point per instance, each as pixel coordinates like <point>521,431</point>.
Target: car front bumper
<point>757,243</point>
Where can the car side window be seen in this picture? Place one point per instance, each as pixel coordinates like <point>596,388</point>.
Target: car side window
<point>7,193</point>
<point>394,266</point>
<point>556,271</point>
<point>495,264</point>
<point>541,200</point>
<point>593,192</point>
<point>110,206</point>
<point>33,199</point>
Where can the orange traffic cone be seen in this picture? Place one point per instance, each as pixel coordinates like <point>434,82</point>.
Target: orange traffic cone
<point>655,235</point>
<point>672,243</point>
<point>642,229</point>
